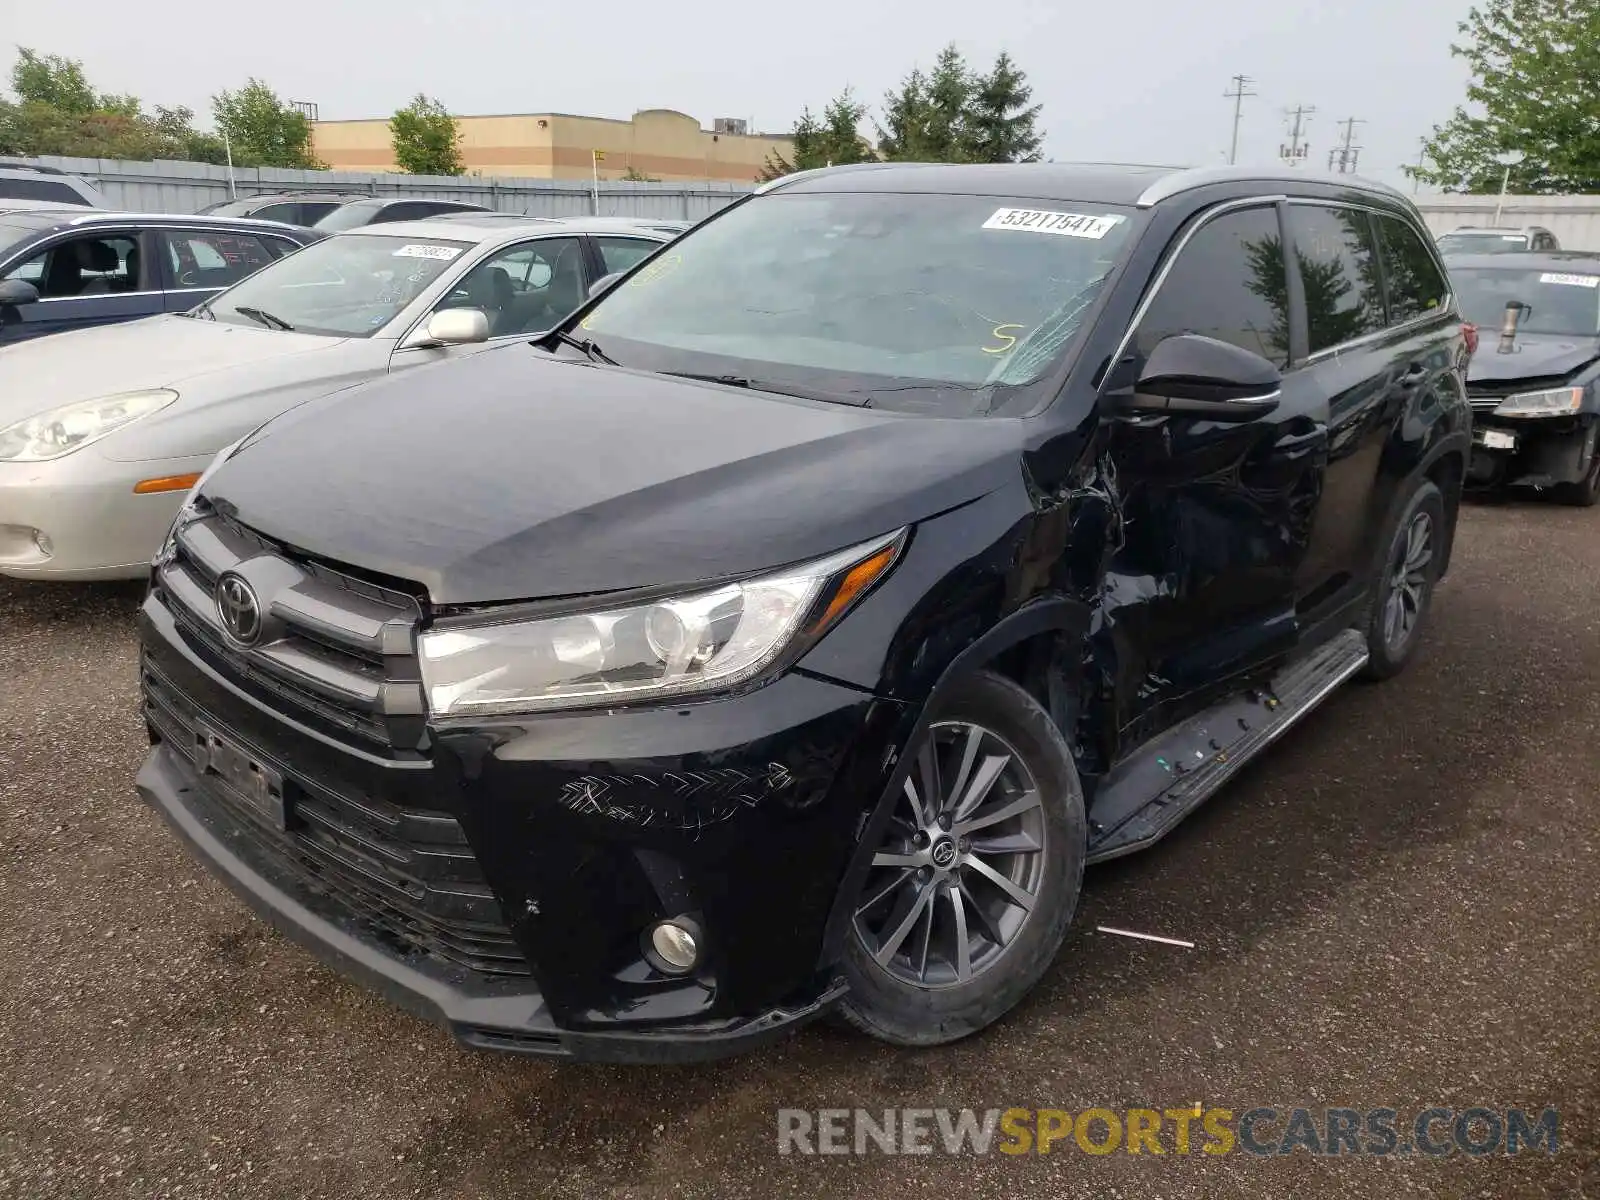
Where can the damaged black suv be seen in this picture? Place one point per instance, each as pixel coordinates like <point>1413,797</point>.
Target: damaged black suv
<point>1532,385</point>
<point>786,631</point>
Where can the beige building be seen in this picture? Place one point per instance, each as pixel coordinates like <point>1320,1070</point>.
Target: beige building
<point>657,142</point>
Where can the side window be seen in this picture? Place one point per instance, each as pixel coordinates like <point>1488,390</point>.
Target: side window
<point>410,210</point>
<point>525,288</point>
<point>287,211</point>
<point>39,189</point>
<point>1339,272</point>
<point>620,253</point>
<point>1227,283</point>
<point>213,260</point>
<point>94,265</point>
<point>278,247</point>
<point>1416,285</point>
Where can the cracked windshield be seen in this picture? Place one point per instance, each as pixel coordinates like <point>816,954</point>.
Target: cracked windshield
<point>934,303</point>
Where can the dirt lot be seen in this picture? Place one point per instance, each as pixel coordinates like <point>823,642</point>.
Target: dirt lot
<point>1397,909</point>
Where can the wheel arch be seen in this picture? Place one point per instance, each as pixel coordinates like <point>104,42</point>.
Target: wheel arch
<point>1019,646</point>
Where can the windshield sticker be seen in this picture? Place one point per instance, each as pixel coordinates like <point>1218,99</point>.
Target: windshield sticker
<point>1587,281</point>
<point>1032,220</point>
<point>416,250</point>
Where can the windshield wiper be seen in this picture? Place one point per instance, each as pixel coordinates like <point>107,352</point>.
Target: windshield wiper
<point>781,389</point>
<point>263,317</point>
<point>586,348</point>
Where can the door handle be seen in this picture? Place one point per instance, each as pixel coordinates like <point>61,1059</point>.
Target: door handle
<point>1414,375</point>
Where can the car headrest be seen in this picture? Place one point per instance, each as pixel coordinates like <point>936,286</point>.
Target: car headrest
<point>98,256</point>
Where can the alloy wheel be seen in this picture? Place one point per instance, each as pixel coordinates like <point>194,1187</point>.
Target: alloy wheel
<point>958,873</point>
<point>1408,581</point>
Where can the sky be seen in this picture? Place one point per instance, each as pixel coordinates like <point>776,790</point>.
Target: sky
<point>1132,82</point>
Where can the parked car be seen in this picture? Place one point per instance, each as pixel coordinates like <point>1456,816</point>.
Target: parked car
<point>375,210</point>
<point>1472,239</point>
<point>30,181</point>
<point>103,431</point>
<point>790,626</point>
<point>293,208</point>
<point>66,268</point>
<point>1533,382</point>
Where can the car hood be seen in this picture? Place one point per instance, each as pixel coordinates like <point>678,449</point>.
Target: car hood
<point>159,352</point>
<point>1536,356</point>
<point>515,475</point>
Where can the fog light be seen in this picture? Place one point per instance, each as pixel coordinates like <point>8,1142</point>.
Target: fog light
<point>674,946</point>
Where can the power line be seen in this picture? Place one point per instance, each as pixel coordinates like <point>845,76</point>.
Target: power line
<point>1240,91</point>
<point>1342,158</point>
<point>1295,150</point>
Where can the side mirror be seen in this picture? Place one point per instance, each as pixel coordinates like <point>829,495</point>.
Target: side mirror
<point>16,292</point>
<point>603,283</point>
<point>1203,377</point>
<point>451,327</point>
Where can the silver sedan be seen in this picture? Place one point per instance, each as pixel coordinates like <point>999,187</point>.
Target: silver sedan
<point>103,431</point>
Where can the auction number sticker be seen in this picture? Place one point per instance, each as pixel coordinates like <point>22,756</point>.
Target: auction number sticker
<point>1065,224</point>
<point>1587,281</point>
<point>416,250</point>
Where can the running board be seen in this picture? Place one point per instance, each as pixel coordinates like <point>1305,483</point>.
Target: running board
<point>1144,796</point>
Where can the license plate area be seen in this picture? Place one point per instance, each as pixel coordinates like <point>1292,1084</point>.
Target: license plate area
<point>259,785</point>
<point>1495,439</point>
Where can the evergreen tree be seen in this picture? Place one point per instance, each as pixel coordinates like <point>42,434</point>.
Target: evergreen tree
<point>1000,124</point>
<point>832,141</point>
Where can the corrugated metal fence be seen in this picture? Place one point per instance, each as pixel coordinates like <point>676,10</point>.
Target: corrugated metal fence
<point>185,187</point>
<point>1575,220</point>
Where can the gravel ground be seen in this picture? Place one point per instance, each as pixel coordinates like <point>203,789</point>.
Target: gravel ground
<point>1396,908</point>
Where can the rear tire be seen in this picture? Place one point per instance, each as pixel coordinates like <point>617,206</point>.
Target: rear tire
<point>978,875</point>
<point>1403,583</point>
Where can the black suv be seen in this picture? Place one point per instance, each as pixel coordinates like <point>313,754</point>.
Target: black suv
<point>787,630</point>
<point>1535,385</point>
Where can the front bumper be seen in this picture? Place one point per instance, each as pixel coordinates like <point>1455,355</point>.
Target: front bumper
<point>512,1020</point>
<point>743,813</point>
<point>1536,451</point>
<point>84,505</point>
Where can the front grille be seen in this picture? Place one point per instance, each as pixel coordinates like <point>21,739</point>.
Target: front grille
<point>333,650</point>
<point>407,877</point>
<point>1484,394</point>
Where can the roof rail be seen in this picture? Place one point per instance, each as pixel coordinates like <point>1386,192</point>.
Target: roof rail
<point>1198,177</point>
<point>16,164</point>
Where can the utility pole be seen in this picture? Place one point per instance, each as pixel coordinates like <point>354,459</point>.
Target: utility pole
<point>1342,158</point>
<point>1294,153</point>
<point>1237,95</point>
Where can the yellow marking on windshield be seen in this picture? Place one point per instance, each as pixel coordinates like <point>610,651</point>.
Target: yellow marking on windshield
<point>1007,340</point>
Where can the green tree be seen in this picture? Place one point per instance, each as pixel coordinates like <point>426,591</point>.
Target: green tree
<point>832,141</point>
<point>634,175</point>
<point>1000,124</point>
<point>928,118</point>
<point>427,139</point>
<point>1535,90</point>
<point>52,80</point>
<point>264,131</point>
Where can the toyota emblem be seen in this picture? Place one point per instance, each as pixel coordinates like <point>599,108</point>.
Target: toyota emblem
<point>944,853</point>
<point>239,609</point>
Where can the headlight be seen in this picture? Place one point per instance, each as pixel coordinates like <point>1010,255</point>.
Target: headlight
<point>74,426</point>
<point>1556,403</point>
<point>705,641</point>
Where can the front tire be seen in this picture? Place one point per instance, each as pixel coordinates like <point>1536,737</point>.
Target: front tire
<point>976,880</point>
<point>1404,582</point>
<point>1585,493</point>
